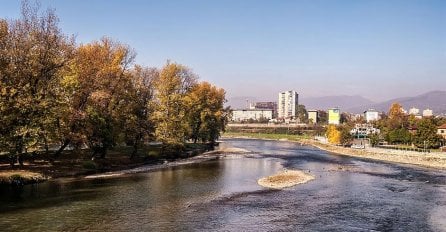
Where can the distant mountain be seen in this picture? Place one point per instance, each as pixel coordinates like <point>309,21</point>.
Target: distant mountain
<point>434,100</point>
<point>343,102</point>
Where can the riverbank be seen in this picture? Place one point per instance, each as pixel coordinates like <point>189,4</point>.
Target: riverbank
<point>430,160</point>
<point>285,179</point>
<point>77,164</point>
<point>221,152</point>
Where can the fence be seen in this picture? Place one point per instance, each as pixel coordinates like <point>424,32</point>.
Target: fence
<point>405,148</point>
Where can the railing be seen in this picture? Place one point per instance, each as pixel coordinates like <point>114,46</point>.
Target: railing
<point>404,148</point>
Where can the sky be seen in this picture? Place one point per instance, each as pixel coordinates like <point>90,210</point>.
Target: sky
<point>379,49</point>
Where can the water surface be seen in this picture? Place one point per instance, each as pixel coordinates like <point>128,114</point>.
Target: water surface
<point>348,194</point>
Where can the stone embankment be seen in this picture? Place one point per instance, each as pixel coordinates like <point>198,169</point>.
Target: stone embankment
<point>431,160</point>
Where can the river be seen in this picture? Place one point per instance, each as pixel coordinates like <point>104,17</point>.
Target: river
<point>348,194</point>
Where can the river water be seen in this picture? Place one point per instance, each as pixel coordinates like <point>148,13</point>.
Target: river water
<point>348,194</point>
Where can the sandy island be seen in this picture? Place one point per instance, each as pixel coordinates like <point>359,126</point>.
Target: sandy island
<point>285,179</point>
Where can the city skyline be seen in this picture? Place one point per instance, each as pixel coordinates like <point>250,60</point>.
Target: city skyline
<point>259,48</point>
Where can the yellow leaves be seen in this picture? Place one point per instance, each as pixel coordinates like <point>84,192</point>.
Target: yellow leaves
<point>333,135</point>
<point>396,111</point>
<point>100,98</point>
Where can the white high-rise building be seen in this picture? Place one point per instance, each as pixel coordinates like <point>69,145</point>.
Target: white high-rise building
<point>288,105</point>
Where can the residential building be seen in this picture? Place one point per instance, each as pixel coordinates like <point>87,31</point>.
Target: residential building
<point>414,111</point>
<point>334,116</point>
<point>265,106</point>
<point>371,115</point>
<point>312,116</point>
<point>364,130</point>
<point>255,114</point>
<point>428,113</point>
<point>288,105</point>
<point>441,130</point>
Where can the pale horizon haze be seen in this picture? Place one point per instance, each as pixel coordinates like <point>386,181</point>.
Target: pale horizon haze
<point>377,49</point>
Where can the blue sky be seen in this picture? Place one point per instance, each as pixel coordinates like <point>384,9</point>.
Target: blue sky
<point>377,49</point>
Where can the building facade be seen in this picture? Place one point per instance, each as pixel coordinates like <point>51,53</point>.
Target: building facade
<point>334,116</point>
<point>364,130</point>
<point>428,113</point>
<point>441,130</point>
<point>312,116</point>
<point>371,115</point>
<point>254,114</point>
<point>265,106</point>
<point>414,111</point>
<point>288,105</point>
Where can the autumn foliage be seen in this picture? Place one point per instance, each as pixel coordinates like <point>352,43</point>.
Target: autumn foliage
<point>56,93</point>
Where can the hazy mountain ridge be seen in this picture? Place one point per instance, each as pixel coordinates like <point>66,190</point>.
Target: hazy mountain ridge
<point>342,101</point>
<point>434,100</point>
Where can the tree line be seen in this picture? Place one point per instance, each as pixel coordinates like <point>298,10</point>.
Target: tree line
<point>54,91</point>
<point>396,127</point>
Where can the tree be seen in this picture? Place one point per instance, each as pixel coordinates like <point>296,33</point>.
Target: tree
<point>396,118</point>
<point>333,135</point>
<point>302,114</point>
<point>34,55</point>
<point>137,123</point>
<point>174,83</point>
<point>426,135</point>
<point>101,86</point>
<point>345,136</point>
<point>206,114</point>
<point>322,117</point>
<point>399,136</point>
<point>374,139</point>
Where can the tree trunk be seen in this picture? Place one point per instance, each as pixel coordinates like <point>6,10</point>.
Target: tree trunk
<point>103,152</point>
<point>62,148</point>
<point>12,160</point>
<point>135,150</point>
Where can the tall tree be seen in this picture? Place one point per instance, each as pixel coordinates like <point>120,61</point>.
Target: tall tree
<point>101,82</point>
<point>34,56</point>
<point>302,114</point>
<point>136,114</point>
<point>171,88</point>
<point>206,114</point>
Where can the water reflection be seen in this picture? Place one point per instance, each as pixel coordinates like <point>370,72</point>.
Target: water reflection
<point>150,200</point>
<point>348,195</point>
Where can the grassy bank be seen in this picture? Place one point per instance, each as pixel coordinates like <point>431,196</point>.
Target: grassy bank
<point>20,177</point>
<point>431,160</point>
<point>266,136</point>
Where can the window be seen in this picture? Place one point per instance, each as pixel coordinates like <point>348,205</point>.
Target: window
<point>442,131</point>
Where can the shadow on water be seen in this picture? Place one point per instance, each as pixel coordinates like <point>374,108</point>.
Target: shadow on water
<point>348,194</point>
